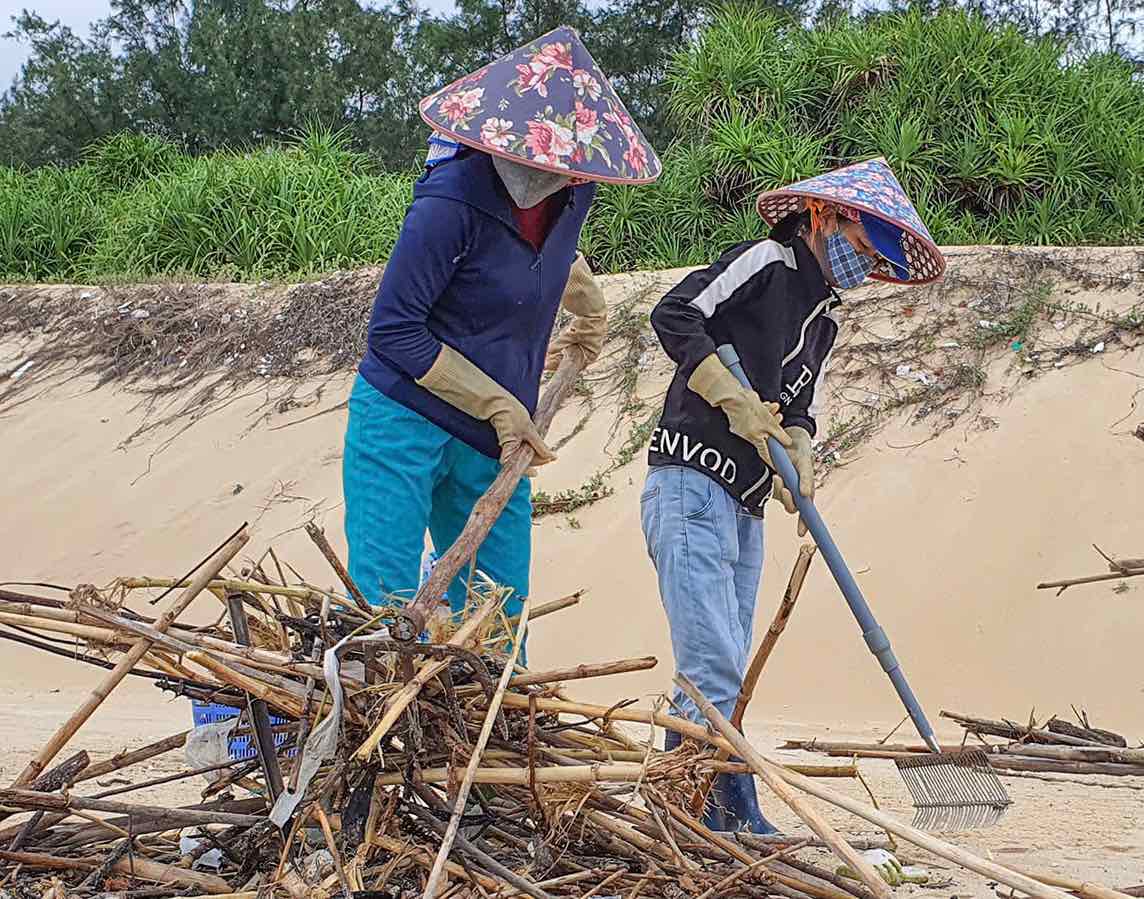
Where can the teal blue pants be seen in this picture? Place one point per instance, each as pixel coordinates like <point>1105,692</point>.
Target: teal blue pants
<point>403,475</point>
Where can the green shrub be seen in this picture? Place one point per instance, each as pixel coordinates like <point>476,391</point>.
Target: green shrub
<point>996,138</point>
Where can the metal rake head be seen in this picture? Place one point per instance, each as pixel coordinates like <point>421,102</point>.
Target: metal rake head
<point>954,790</point>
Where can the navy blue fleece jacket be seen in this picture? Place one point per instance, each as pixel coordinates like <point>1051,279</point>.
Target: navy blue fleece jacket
<point>462,274</point>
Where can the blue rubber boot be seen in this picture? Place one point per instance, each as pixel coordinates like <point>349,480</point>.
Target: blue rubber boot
<point>735,795</point>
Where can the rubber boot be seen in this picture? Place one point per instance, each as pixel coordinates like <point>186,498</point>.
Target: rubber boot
<point>735,793</point>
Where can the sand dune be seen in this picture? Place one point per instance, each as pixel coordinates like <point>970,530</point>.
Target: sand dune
<point>948,534</point>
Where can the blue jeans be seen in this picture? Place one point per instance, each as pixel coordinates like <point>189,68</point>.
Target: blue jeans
<point>403,475</point>
<point>708,556</point>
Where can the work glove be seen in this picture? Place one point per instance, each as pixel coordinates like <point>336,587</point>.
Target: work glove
<point>888,867</point>
<point>589,326</point>
<point>802,455</point>
<point>461,384</point>
<point>749,417</point>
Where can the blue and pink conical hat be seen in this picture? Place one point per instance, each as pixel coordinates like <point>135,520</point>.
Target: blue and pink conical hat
<point>870,190</point>
<point>547,105</point>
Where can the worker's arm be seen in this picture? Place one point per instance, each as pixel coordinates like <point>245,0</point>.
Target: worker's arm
<point>680,321</point>
<point>434,238</point>
<point>802,411</point>
<point>432,242</point>
<point>800,415</point>
<point>589,326</point>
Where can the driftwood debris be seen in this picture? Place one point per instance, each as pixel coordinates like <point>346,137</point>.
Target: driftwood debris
<point>1056,747</point>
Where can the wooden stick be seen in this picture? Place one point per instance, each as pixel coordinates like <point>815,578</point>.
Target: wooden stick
<point>1096,578</point>
<point>411,619</point>
<point>438,870</point>
<point>581,672</point>
<point>138,866</point>
<point>948,851</point>
<point>769,841</point>
<point>61,737</point>
<point>126,759</point>
<point>1009,731</point>
<point>585,774</point>
<point>778,625</point>
<point>401,700</point>
<point>772,775</point>
<point>331,844</point>
<point>744,858</point>
<point>179,640</point>
<point>1018,757</point>
<point>762,654</point>
<point>256,709</point>
<point>30,799</point>
<point>736,876</point>
<point>323,545</point>
<point>425,860</point>
<point>1082,888</point>
<point>554,605</point>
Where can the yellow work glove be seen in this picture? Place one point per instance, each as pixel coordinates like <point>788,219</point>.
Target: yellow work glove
<point>461,384</point>
<point>801,453</point>
<point>589,326</point>
<point>749,416</point>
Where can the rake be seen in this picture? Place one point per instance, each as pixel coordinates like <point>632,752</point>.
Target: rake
<point>950,791</point>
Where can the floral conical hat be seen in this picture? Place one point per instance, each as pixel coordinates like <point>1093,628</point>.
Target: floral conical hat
<point>547,105</point>
<point>873,195</point>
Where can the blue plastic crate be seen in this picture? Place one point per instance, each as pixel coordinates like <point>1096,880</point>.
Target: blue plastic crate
<point>240,747</point>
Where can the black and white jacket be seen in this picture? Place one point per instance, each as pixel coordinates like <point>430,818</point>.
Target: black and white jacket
<point>771,302</point>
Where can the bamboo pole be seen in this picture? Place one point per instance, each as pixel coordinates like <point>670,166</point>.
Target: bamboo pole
<point>582,672</point>
<point>948,851</point>
<point>438,870</point>
<point>61,737</point>
<point>234,678</point>
<point>224,584</point>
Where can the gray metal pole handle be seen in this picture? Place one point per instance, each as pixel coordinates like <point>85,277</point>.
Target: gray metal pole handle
<point>872,632</point>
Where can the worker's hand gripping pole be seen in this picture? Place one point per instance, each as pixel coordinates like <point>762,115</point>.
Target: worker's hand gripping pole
<point>872,633</point>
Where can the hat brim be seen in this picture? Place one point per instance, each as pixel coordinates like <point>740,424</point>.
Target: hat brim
<point>916,252</point>
<point>475,143</point>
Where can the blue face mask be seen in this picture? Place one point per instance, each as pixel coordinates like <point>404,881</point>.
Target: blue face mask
<point>848,267</point>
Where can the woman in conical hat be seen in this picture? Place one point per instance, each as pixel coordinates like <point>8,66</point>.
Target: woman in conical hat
<point>776,301</point>
<point>460,328</point>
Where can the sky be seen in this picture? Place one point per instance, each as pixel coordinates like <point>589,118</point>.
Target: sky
<point>77,15</point>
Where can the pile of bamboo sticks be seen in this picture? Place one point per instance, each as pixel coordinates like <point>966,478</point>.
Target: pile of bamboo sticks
<point>403,768</point>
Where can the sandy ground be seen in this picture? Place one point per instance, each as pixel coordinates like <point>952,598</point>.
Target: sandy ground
<point>948,538</point>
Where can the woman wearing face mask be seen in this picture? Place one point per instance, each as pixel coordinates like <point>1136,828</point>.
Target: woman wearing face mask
<point>460,328</point>
<point>775,301</point>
